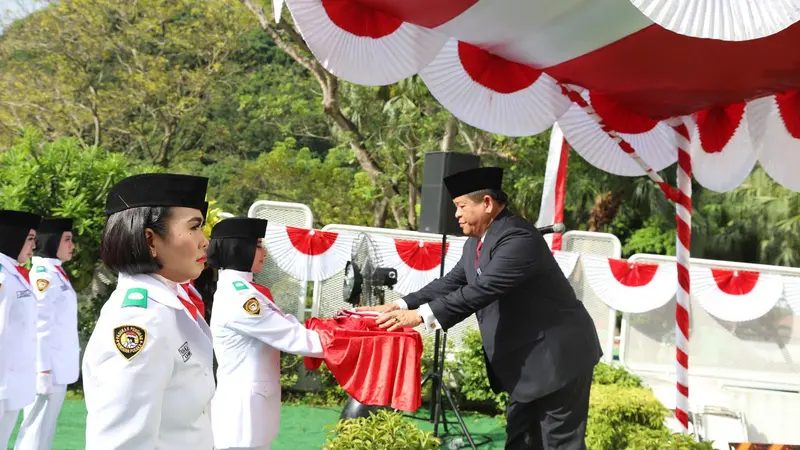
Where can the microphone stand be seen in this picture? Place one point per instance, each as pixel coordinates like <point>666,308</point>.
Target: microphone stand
<point>437,380</point>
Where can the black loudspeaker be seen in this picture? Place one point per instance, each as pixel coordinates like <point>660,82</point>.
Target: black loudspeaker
<point>437,212</point>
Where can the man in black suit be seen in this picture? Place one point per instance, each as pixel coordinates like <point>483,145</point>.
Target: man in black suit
<point>540,344</point>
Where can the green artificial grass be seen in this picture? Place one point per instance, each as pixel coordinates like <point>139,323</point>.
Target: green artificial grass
<point>302,427</point>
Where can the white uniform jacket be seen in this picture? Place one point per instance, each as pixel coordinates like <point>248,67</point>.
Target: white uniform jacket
<point>57,346</point>
<point>147,372</point>
<point>249,332</point>
<point>17,338</point>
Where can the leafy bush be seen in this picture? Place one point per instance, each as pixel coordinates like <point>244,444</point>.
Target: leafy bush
<point>473,382</point>
<point>383,430</point>
<point>611,374</point>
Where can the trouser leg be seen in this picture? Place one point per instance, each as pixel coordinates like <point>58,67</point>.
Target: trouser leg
<point>7,423</point>
<point>39,421</point>
<point>556,421</point>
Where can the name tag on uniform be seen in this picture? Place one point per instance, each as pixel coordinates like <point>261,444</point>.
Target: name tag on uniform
<point>24,294</point>
<point>185,352</point>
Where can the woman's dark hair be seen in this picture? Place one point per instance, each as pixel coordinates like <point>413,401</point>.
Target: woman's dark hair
<point>232,253</point>
<point>47,244</point>
<point>12,240</point>
<point>124,247</point>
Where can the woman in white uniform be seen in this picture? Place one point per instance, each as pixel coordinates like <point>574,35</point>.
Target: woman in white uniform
<point>57,346</point>
<point>17,318</point>
<point>249,332</point>
<point>147,372</point>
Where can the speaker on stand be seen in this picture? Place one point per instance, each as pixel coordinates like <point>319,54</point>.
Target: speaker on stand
<point>437,215</point>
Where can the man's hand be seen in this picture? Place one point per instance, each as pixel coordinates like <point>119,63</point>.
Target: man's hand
<point>395,320</point>
<point>380,308</point>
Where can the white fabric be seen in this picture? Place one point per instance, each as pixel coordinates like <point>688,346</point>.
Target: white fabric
<point>158,398</point>
<point>7,421</point>
<point>17,338</point>
<point>736,308</point>
<point>547,210</point>
<point>248,345</point>
<point>57,345</point>
<point>410,279</point>
<point>38,426</point>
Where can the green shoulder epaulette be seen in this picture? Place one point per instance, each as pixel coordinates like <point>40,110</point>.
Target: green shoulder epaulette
<point>239,285</point>
<point>41,269</point>
<point>135,297</point>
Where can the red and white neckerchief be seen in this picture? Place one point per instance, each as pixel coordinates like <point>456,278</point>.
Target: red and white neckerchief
<point>64,274</point>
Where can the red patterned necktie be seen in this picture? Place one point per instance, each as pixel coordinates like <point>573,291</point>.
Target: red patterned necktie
<point>478,253</point>
<point>60,269</point>
<point>264,290</point>
<point>193,311</point>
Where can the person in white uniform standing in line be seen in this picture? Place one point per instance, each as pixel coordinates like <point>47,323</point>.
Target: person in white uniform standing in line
<point>147,371</point>
<point>249,332</point>
<point>57,346</point>
<point>17,318</point>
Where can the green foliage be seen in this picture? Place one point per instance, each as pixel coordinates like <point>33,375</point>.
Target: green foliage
<point>617,375</point>
<point>473,381</point>
<point>380,431</point>
<point>631,418</point>
<point>60,179</point>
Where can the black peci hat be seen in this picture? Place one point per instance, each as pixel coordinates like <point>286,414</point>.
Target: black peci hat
<point>14,229</point>
<point>239,227</point>
<point>19,219</point>
<point>473,180</point>
<point>158,189</point>
<point>59,225</point>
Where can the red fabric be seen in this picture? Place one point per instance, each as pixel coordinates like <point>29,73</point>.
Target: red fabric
<point>66,277</point>
<point>478,253</point>
<point>495,72</point>
<point>195,298</point>
<point>264,290</point>
<point>632,274</point>
<point>25,273</point>
<point>735,282</point>
<point>376,367</point>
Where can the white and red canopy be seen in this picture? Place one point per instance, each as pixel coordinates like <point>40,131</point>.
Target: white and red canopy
<point>499,65</point>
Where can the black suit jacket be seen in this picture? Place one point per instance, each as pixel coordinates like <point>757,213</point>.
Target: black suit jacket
<point>537,336</point>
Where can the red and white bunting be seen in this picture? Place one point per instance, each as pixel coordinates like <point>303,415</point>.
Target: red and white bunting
<point>361,44</point>
<point>492,93</point>
<point>417,262</point>
<point>775,129</point>
<point>733,295</point>
<point>308,255</point>
<point>791,292</point>
<point>630,287</point>
<point>722,150</point>
<point>654,141</point>
<point>566,261</point>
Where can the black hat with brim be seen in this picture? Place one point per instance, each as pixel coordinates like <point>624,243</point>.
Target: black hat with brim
<point>473,180</point>
<point>53,226</point>
<point>19,219</point>
<point>158,189</point>
<point>239,227</point>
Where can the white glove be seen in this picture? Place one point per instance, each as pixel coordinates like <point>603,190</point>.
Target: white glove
<point>44,383</point>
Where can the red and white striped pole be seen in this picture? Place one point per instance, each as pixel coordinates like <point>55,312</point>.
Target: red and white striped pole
<point>683,213</point>
<point>683,218</point>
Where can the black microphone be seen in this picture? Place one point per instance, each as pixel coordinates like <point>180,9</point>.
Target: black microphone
<point>554,228</point>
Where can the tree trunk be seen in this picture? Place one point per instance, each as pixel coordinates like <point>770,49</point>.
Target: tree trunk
<point>379,210</point>
<point>294,46</point>
<point>605,209</point>
<point>450,133</point>
<point>412,188</point>
<point>162,158</point>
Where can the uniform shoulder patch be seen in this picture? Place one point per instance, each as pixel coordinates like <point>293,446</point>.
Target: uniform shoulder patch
<point>41,269</point>
<point>42,284</point>
<point>239,285</point>
<point>129,340</point>
<point>252,306</point>
<point>135,297</point>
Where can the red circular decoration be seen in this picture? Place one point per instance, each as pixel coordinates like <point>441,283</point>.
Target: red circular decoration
<point>789,108</point>
<point>632,274</point>
<point>422,257</point>
<point>360,20</point>
<point>718,125</point>
<point>311,242</point>
<point>619,117</point>
<point>495,72</point>
<point>734,282</point>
